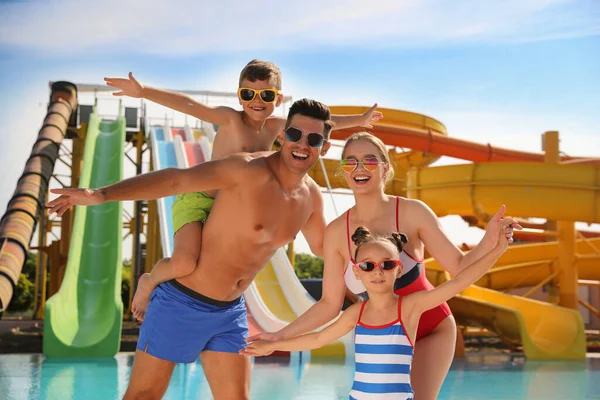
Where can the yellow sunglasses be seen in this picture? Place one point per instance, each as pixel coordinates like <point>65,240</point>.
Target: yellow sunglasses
<point>266,95</point>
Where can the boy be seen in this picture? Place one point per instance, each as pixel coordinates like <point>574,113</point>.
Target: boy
<point>251,130</point>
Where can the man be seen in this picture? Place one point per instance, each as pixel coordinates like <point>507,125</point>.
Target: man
<point>264,200</point>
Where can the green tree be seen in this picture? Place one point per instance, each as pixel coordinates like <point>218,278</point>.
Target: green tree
<point>308,266</point>
<point>23,296</point>
<point>30,266</point>
<point>126,282</point>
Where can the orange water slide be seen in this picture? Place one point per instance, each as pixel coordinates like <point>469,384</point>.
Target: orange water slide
<point>419,134</point>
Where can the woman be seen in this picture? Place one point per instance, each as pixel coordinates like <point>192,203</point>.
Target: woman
<point>366,167</point>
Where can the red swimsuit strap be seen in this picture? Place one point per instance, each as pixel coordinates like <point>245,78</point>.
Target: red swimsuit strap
<point>362,307</point>
<point>348,235</point>
<point>397,202</point>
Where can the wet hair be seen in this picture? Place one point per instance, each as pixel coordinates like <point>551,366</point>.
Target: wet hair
<point>312,109</point>
<point>375,141</point>
<point>363,236</point>
<point>259,70</point>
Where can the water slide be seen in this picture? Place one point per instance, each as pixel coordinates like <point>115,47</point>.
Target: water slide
<point>424,134</point>
<point>566,192</point>
<point>164,156</point>
<point>84,318</point>
<point>276,297</point>
<point>18,224</point>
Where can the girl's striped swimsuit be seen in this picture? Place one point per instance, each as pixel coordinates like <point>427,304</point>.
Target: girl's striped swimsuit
<point>383,356</point>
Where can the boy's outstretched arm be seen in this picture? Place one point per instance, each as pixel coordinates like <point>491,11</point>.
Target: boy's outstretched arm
<point>346,121</point>
<point>339,328</point>
<point>212,175</point>
<point>173,100</point>
<point>363,120</point>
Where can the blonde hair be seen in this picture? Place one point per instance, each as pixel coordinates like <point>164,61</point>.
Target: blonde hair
<point>375,141</point>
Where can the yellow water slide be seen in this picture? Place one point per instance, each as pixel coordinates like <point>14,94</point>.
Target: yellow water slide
<point>562,192</point>
<point>276,298</point>
<point>544,330</point>
<point>556,192</point>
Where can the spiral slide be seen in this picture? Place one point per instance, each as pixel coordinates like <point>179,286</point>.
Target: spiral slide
<point>84,318</point>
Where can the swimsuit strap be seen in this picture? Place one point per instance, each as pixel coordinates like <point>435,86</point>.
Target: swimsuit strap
<point>348,235</point>
<point>397,202</point>
<point>362,307</point>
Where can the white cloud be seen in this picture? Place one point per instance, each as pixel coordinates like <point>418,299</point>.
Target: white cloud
<point>190,27</point>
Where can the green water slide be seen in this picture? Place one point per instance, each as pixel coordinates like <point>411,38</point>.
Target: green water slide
<point>84,318</point>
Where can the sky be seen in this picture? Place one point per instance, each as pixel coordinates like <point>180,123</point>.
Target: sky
<point>492,72</point>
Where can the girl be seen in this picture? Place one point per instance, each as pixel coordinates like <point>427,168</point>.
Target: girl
<point>385,324</point>
<point>366,168</point>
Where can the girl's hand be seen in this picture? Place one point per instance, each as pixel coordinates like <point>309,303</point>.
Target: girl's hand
<point>258,348</point>
<point>500,227</point>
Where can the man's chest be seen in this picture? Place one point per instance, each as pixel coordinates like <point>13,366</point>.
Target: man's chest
<point>267,214</point>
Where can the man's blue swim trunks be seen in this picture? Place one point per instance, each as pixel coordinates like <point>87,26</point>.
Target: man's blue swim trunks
<point>181,323</point>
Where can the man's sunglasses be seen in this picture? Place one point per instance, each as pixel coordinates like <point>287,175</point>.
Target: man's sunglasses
<point>350,164</point>
<point>386,265</point>
<point>266,95</point>
<point>294,135</point>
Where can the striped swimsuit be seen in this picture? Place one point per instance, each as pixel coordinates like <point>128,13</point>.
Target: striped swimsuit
<point>383,356</point>
<point>413,279</point>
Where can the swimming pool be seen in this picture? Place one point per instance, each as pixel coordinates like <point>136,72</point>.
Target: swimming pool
<point>24,377</point>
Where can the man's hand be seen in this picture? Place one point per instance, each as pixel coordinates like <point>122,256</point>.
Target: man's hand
<point>73,197</point>
<point>258,348</point>
<point>499,225</point>
<point>371,116</point>
<point>129,87</point>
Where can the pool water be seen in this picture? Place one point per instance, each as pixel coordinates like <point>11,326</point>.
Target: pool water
<point>24,377</point>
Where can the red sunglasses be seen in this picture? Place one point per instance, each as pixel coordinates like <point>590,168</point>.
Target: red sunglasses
<point>386,265</point>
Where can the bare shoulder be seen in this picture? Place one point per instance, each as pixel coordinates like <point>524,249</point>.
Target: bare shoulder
<point>261,154</point>
<point>312,186</point>
<point>247,165</point>
<point>415,207</point>
<point>336,227</point>
<point>351,313</point>
<point>275,123</point>
<point>238,117</point>
<point>411,301</point>
<point>235,125</point>
<point>335,233</point>
<point>235,118</point>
